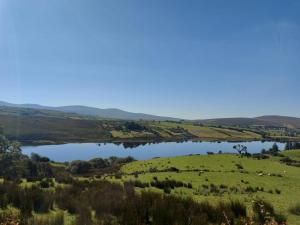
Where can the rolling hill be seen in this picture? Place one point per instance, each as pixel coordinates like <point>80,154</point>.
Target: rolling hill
<point>291,122</point>
<point>92,111</point>
<point>276,121</point>
<point>269,120</point>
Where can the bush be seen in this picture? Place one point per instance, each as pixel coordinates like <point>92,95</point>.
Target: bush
<point>250,189</point>
<point>113,202</point>
<point>239,166</point>
<point>295,209</point>
<point>55,219</point>
<point>238,209</point>
<point>260,156</point>
<point>167,190</point>
<point>169,184</point>
<point>9,216</point>
<point>118,176</point>
<point>277,191</point>
<point>79,167</point>
<point>292,145</point>
<point>138,184</point>
<point>264,213</point>
<point>46,183</point>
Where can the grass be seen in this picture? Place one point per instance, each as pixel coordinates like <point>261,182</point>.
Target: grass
<point>50,127</point>
<point>52,216</point>
<point>43,129</point>
<point>293,154</point>
<point>280,183</point>
<point>204,132</point>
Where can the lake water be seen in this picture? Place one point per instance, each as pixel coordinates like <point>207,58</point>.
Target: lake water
<point>86,151</point>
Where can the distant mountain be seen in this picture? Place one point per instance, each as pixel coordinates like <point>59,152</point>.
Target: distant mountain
<point>270,120</point>
<point>280,121</point>
<point>91,111</point>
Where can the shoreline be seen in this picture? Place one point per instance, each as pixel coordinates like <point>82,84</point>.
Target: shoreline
<point>153,141</point>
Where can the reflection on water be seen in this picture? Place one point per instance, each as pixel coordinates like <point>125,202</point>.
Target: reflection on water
<point>133,144</point>
<point>140,150</point>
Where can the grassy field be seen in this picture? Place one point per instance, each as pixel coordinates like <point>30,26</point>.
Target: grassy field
<point>226,176</point>
<point>293,154</point>
<point>38,129</point>
<point>49,127</point>
<point>203,132</point>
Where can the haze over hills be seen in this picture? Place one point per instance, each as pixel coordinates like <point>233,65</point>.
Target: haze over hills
<point>92,111</point>
<point>268,120</point>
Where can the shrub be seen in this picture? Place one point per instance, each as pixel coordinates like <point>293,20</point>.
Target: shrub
<point>139,184</point>
<point>238,209</point>
<point>295,209</point>
<point>118,176</point>
<point>167,190</point>
<point>239,166</point>
<point>173,169</point>
<point>250,189</point>
<point>9,216</point>
<point>79,167</point>
<point>55,219</point>
<point>264,213</point>
<point>46,183</point>
<point>223,186</point>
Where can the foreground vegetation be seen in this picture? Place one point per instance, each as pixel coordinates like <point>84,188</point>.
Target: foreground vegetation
<point>223,177</point>
<point>214,189</point>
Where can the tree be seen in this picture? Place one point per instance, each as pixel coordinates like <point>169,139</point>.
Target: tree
<point>10,156</point>
<point>7,146</point>
<point>80,167</point>
<point>275,148</point>
<point>37,158</point>
<point>241,149</point>
<point>4,144</point>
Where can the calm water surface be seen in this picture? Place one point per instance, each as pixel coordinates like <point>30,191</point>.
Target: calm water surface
<point>86,151</point>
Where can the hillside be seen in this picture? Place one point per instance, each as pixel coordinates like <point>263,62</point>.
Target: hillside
<point>40,126</point>
<point>291,122</point>
<point>92,111</point>
<point>275,121</point>
<point>222,177</point>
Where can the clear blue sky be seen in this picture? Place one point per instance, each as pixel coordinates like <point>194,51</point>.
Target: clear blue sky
<point>189,59</point>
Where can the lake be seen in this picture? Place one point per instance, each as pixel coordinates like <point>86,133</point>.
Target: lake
<point>87,151</point>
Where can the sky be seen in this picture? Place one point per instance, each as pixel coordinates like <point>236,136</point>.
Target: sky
<point>189,59</point>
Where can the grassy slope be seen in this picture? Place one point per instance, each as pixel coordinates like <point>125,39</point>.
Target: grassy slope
<point>46,125</point>
<point>52,128</point>
<point>204,132</point>
<point>57,128</point>
<point>220,172</point>
<point>293,154</point>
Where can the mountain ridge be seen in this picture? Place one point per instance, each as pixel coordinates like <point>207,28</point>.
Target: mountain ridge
<point>109,113</point>
<point>115,113</point>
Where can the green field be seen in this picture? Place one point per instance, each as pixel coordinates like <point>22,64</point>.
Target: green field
<point>38,127</point>
<point>280,183</point>
<point>39,191</point>
<point>293,154</point>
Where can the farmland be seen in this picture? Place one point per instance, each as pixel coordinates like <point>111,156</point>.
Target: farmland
<point>225,177</point>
